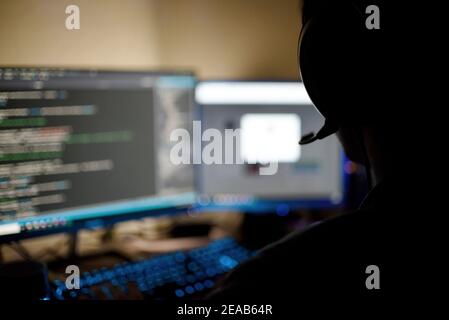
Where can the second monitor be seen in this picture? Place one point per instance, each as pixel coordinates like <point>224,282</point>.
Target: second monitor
<point>271,117</point>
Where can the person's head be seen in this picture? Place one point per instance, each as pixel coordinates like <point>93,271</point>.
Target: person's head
<point>341,65</point>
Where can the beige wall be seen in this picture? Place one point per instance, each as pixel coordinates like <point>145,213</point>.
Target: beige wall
<point>115,33</point>
<point>216,38</point>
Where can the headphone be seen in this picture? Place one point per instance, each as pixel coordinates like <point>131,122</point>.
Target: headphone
<point>335,42</point>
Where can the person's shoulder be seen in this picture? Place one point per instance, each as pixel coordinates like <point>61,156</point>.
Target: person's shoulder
<point>345,228</point>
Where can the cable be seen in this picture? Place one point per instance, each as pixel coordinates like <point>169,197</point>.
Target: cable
<point>20,250</point>
<point>25,254</point>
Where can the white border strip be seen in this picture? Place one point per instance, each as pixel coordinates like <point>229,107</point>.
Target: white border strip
<point>225,93</point>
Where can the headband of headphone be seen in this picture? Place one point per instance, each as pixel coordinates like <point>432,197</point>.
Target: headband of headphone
<point>340,66</point>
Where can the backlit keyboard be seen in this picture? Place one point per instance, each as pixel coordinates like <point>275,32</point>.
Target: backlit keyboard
<point>183,274</point>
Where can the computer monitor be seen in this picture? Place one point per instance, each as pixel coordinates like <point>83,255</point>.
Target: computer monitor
<point>84,148</point>
<point>271,117</point>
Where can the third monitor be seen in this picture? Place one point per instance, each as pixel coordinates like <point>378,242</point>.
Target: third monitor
<point>271,118</point>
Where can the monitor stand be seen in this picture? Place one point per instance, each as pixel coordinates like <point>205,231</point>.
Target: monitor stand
<point>258,230</point>
<point>73,241</point>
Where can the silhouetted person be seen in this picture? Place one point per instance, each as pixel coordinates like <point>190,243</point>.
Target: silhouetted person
<point>353,78</point>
